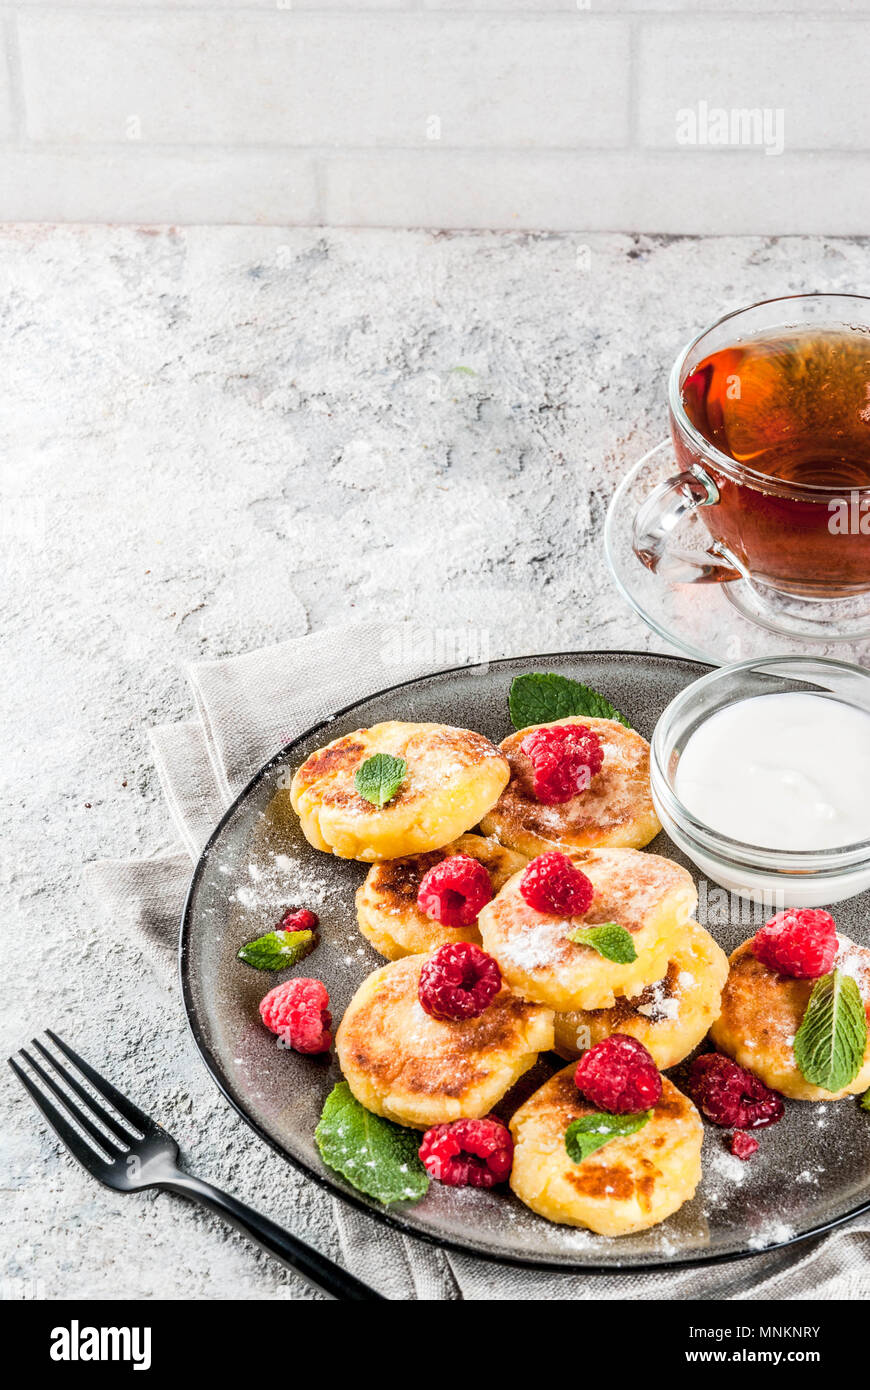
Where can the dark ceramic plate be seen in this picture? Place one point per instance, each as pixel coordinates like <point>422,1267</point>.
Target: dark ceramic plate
<point>811,1171</point>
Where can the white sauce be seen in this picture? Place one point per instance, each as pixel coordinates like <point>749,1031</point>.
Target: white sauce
<point>788,771</point>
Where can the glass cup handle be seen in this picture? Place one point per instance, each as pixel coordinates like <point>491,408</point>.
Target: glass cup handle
<point>661,514</point>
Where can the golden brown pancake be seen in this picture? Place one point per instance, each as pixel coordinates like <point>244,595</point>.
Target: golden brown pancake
<point>669,1017</point>
<point>386,903</point>
<point>616,810</point>
<point>453,777</point>
<point>628,1184</point>
<point>651,897</point>
<point>762,1011</point>
<point>421,1071</point>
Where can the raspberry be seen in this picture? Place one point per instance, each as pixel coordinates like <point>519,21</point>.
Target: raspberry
<point>298,1011</point>
<point>458,981</point>
<point>564,758</point>
<point>743,1145</point>
<point>468,1153</point>
<point>298,919</point>
<point>553,885</point>
<point>730,1095</point>
<point>454,891</point>
<point>801,942</point>
<point>618,1074</point>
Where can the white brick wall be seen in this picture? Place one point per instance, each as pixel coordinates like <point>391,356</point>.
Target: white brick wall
<point>456,113</point>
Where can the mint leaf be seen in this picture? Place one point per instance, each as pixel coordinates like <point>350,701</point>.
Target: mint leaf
<point>829,1046</point>
<point>380,777</point>
<point>609,939</point>
<point>542,699</point>
<point>376,1156</point>
<point>590,1132</point>
<point>865,1101</point>
<point>277,949</point>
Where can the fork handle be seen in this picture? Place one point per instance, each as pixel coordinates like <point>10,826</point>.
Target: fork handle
<point>324,1275</point>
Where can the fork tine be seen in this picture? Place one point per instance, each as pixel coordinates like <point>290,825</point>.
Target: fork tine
<point>82,1117</point>
<point>103,1115</point>
<point>125,1108</point>
<point>78,1147</point>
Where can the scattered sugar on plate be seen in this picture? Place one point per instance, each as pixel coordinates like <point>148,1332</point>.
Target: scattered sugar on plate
<point>776,1234</point>
<point>726,1165</point>
<point>277,884</point>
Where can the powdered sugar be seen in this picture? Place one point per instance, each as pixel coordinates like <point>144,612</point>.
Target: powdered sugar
<point>776,1234</point>
<point>726,1167</point>
<point>280,881</point>
<point>661,1004</point>
<point>539,946</point>
<point>854,960</point>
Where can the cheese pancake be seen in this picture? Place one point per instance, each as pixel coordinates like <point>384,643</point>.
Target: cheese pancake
<point>762,1011</point>
<point>423,1071</point>
<point>651,897</point>
<point>386,903</point>
<point>615,810</point>
<point>630,1183</point>
<point>453,777</point>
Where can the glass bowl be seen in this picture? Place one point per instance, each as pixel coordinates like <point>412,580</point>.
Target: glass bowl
<point>776,878</point>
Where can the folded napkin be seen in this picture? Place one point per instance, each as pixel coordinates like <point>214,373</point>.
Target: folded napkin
<point>247,708</point>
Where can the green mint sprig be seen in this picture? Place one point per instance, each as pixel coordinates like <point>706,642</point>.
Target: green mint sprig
<point>865,1101</point>
<point>590,1132</point>
<point>277,949</point>
<point>830,1044</point>
<point>543,698</point>
<point>380,777</point>
<point>376,1156</point>
<point>609,939</point>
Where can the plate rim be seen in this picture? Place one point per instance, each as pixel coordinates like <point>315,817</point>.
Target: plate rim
<point>328,1184</point>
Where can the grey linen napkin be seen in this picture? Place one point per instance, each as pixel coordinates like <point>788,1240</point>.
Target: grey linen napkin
<point>247,708</point>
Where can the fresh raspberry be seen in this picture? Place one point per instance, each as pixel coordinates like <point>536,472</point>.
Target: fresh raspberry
<point>564,758</point>
<point>298,919</point>
<point>801,942</point>
<point>298,1011</point>
<point>552,884</point>
<point>454,891</point>
<point>743,1145</point>
<point>730,1095</point>
<point>458,981</point>
<point>618,1074</point>
<point>468,1153</point>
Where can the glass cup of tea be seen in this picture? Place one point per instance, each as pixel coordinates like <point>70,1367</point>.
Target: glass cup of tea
<point>770,422</point>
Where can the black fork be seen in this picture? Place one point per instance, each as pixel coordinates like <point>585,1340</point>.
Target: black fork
<point>128,1151</point>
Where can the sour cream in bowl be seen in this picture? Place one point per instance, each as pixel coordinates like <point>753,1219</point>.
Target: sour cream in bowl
<point>760,772</point>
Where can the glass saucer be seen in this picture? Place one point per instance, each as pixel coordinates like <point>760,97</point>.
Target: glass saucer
<point>722,622</point>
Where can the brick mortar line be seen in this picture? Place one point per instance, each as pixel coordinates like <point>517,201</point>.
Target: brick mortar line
<point>783,234</point>
<point>859,239</point>
<point>139,148</point>
<point>272,12</point>
<point>415,8</point>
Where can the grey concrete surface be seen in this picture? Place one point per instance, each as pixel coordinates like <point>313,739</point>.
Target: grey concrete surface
<point>218,437</point>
